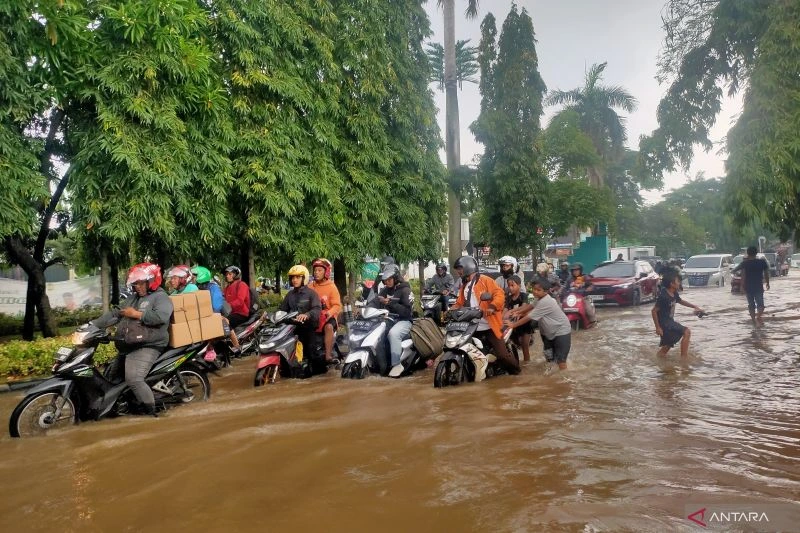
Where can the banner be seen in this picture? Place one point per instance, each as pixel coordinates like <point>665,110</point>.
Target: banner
<point>70,294</point>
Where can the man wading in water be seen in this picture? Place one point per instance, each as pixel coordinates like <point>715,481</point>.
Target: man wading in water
<point>756,272</point>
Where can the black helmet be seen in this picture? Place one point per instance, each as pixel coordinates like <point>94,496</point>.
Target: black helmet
<point>390,271</point>
<point>564,264</point>
<point>468,265</point>
<point>237,272</point>
<point>577,265</point>
<point>387,260</point>
<point>442,266</point>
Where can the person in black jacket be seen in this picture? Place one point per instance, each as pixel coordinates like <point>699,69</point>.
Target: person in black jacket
<point>396,297</point>
<point>305,301</point>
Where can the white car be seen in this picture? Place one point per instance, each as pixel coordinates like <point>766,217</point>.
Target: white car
<point>708,270</point>
<point>795,260</point>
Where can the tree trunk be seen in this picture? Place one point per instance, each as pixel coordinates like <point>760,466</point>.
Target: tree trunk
<point>340,276</point>
<point>244,262</point>
<point>352,286</point>
<point>37,303</point>
<point>452,133</point>
<point>251,265</point>
<point>105,279</point>
<point>277,279</point>
<point>421,266</point>
<point>113,271</point>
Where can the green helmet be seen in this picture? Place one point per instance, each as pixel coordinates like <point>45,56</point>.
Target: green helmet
<point>202,274</point>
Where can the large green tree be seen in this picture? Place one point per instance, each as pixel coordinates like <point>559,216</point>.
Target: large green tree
<point>723,47</point>
<point>511,176</point>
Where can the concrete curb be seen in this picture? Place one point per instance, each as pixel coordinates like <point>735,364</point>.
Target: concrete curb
<point>19,385</point>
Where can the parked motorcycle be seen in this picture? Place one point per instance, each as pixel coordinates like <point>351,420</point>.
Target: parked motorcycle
<point>465,358</point>
<point>575,305</point>
<point>78,391</point>
<point>369,350</point>
<point>281,355</point>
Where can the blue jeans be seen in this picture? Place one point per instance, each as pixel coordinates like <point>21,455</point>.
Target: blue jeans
<point>755,299</point>
<point>398,333</point>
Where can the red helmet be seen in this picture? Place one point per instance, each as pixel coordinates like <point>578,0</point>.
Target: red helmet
<point>324,263</point>
<point>181,271</point>
<point>145,272</point>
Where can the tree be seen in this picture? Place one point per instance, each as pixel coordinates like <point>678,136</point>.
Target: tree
<point>511,176</point>
<point>734,45</point>
<point>466,64</point>
<point>595,105</point>
<point>452,132</point>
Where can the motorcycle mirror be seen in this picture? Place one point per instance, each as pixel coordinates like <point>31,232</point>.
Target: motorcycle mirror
<point>486,297</point>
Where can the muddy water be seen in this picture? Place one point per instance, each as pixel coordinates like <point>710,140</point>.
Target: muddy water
<point>620,441</point>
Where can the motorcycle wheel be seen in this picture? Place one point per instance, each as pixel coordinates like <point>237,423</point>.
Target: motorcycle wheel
<point>264,375</point>
<point>576,325</point>
<point>448,373</point>
<point>197,385</point>
<point>353,370</point>
<point>34,415</point>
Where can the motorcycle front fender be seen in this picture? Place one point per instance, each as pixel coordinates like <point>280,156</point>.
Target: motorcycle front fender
<point>55,384</point>
<point>358,355</point>
<point>267,359</point>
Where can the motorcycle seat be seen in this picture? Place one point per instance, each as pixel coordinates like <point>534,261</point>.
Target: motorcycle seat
<point>243,326</point>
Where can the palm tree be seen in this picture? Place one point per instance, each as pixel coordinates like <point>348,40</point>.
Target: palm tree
<point>466,63</point>
<point>452,139</point>
<point>595,104</point>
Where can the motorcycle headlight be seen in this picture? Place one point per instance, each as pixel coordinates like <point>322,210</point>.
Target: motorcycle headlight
<point>623,285</point>
<point>454,341</point>
<point>572,300</point>
<point>79,336</point>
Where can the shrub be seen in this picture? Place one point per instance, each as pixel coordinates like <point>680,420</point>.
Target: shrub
<point>19,359</point>
<point>270,302</point>
<point>12,325</point>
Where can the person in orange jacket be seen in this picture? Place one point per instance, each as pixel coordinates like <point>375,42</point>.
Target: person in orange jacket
<point>490,328</point>
<point>331,302</point>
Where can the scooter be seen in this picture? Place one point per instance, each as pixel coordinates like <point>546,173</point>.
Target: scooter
<point>78,391</point>
<point>575,305</point>
<point>465,358</point>
<point>281,355</point>
<point>369,350</point>
<point>432,305</point>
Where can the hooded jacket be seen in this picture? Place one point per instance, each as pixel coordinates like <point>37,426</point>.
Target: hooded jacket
<point>486,284</point>
<point>328,296</point>
<point>401,306</point>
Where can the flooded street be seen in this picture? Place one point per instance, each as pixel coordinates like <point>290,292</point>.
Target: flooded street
<point>622,441</point>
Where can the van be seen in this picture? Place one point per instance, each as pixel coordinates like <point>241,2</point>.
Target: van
<point>708,270</point>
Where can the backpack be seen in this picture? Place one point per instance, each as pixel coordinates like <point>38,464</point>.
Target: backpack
<point>253,300</point>
<point>427,337</point>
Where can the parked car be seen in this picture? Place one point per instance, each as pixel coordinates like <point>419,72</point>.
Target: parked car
<point>777,264</point>
<point>708,269</point>
<point>623,283</point>
<point>795,261</point>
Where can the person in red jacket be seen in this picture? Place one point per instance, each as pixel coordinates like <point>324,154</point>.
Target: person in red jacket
<point>237,294</point>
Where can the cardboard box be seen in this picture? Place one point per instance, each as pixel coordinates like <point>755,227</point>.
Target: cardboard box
<point>178,312</point>
<point>211,326</point>
<point>179,335</point>
<point>190,307</point>
<point>204,303</point>
<point>196,331</point>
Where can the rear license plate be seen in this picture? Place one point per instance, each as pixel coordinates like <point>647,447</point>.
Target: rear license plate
<point>596,297</point>
<point>361,324</point>
<point>457,326</point>
<point>63,353</point>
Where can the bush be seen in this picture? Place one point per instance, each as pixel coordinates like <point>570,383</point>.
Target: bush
<point>19,359</point>
<point>270,302</point>
<point>12,325</point>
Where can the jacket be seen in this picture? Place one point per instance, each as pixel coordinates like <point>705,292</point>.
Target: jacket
<point>401,306</point>
<point>238,295</point>
<point>439,283</point>
<point>486,284</point>
<point>217,299</point>
<point>304,301</point>
<point>328,296</point>
<point>157,309</point>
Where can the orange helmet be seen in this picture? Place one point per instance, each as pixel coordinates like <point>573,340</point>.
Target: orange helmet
<point>324,263</point>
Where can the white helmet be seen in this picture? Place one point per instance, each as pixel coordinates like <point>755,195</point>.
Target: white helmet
<point>508,260</point>
<point>542,268</point>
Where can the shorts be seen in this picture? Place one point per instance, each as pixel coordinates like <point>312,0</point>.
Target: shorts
<point>672,335</point>
<point>237,320</point>
<point>325,319</point>
<point>524,329</point>
<point>755,299</point>
<point>557,349</point>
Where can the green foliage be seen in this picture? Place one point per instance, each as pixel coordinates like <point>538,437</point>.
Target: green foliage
<point>511,176</point>
<point>20,359</point>
<point>671,231</point>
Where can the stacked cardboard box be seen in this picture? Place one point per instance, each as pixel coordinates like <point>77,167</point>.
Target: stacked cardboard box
<point>193,319</point>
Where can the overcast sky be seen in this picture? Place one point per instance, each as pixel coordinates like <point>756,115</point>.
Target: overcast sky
<point>572,35</point>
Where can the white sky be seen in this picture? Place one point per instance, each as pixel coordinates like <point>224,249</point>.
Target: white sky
<point>571,36</point>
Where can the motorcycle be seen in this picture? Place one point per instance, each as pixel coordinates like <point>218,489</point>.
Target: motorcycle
<point>575,305</point>
<point>465,358</point>
<point>281,355</point>
<point>432,305</point>
<point>78,391</point>
<point>369,350</point>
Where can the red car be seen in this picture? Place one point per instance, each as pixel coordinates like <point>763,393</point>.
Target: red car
<point>623,283</point>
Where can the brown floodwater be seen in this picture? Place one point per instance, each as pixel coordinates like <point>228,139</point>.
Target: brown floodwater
<point>622,441</point>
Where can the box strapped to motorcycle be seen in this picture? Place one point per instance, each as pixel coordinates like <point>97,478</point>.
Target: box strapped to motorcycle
<point>427,337</point>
